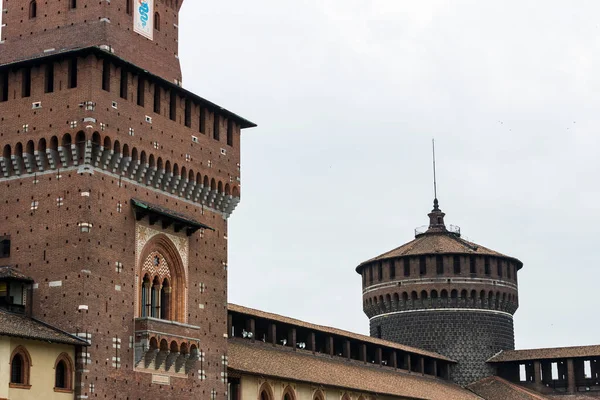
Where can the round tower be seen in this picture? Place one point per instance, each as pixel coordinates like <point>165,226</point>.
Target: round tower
<point>444,294</point>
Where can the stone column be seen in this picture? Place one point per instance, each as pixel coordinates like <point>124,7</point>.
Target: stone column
<point>363,353</point>
<point>570,376</point>
<point>272,334</point>
<point>292,338</point>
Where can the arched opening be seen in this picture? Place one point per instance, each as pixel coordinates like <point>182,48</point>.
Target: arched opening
<point>163,290</point>
<point>318,395</point>
<point>63,373</point>
<point>20,362</point>
<point>165,299</point>
<point>32,9</point>
<point>80,142</point>
<point>155,298</point>
<point>156,21</point>
<point>265,392</point>
<point>145,291</point>
<point>288,394</point>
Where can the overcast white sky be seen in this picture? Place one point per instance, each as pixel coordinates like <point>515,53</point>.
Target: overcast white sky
<point>348,94</point>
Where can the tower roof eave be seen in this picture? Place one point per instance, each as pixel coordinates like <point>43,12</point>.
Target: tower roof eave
<point>243,122</point>
<point>436,244</point>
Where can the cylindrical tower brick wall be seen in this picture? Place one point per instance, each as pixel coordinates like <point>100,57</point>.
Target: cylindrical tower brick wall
<point>467,336</point>
<point>444,294</point>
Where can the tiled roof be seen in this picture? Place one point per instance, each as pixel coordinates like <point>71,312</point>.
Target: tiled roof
<point>335,331</point>
<point>438,243</point>
<point>19,325</point>
<point>301,366</point>
<point>494,388</point>
<point>143,208</point>
<point>549,353</point>
<point>8,272</point>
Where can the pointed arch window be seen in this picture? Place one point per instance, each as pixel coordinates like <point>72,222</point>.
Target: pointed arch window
<point>32,9</point>
<point>162,288</point>
<point>63,374</point>
<point>20,363</point>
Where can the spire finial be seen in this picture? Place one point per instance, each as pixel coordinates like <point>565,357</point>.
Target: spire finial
<point>435,200</point>
<point>436,216</point>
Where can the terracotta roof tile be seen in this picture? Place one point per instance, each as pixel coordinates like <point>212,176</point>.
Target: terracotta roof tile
<point>334,331</point>
<point>438,243</point>
<point>302,366</point>
<point>8,272</point>
<point>495,388</point>
<point>19,325</point>
<point>548,353</point>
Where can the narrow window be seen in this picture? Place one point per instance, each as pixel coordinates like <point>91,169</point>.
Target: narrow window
<point>4,86</point>
<point>229,132</point>
<point>456,265</point>
<point>378,332</point>
<point>371,273</point>
<point>156,98</point>
<point>473,267</point>
<point>156,21</point>
<point>20,362</point>
<point>487,265</point>
<point>72,4</point>
<point>439,263</point>
<point>407,266</point>
<point>188,113</point>
<point>49,78</point>
<point>173,106</point>
<point>128,7</point>
<point>499,268</point>
<point>106,75</point>
<point>392,269</point>
<point>165,300</point>
<point>61,372</point>
<point>202,122</point>
<point>422,265</point>
<point>141,89</point>
<point>216,133</point>
<point>4,247</point>
<point>124,78</point>
<point>380,271</point>
<point>508,270</point>
<point>32,9</point>
<point>72,72</point>
<point>16,369</point>
<point>26,84</point>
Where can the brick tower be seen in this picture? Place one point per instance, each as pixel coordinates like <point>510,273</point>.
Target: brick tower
<point>442,293</point>
<point>115,188</point>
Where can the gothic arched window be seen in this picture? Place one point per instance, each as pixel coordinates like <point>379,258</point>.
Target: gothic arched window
<point>20,363</point>
<point>161,290</point>
<point>63,373</point>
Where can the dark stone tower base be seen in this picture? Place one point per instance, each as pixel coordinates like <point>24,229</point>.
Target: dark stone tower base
<point>468,337</point>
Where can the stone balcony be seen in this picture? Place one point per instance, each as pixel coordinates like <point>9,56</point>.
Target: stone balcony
<point>166,347</point>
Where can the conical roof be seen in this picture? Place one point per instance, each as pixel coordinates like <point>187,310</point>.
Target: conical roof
<point>438,240</point>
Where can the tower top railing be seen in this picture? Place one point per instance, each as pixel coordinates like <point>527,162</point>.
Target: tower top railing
<point>452,229</point>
